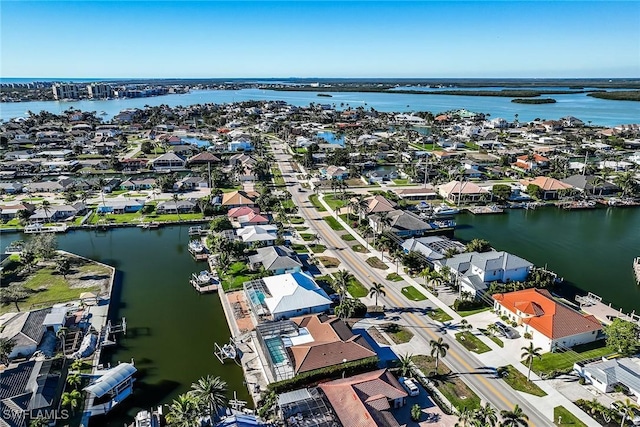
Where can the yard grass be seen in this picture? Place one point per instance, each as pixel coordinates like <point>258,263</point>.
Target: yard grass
<point>347,237</point>
<point>398,334</point>
<point>450,385</point>
<point>413,294</point>
<point>334,202</point>
<point>402,182</point>
<point>568,419</point>
<point>316,249</point>
<point>307,237</point>
<point>316,203</point>
<point>301,228</point>
<point>301,249</point>
<point>296,220</point>
<point>276,174</point>
<point>329,262</point>
<point>394,277</point>
<point>471,342</point>
<point>236,275</point>
<point>376,263</point>
<point>492,337</point>
<point>356,289</point>
<point>360,249</point>
<point>439,315</point>
<point>518,381</point>
<point>474,311</point>
<point>563,361</point>
<point>333,223</point>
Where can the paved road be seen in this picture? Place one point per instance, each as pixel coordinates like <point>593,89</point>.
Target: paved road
<point>481,379</point>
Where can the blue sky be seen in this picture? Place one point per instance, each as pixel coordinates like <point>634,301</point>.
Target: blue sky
<point>320,39</point>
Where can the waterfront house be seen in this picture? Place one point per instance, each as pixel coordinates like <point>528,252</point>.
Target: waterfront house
<point>276,259</point>
<point>425,192</point>
<point>366,400</point>
<point>133,164</point>
<point>189,183</point>
<point>591,184</point>
<point>306,406</point>
<point>119,206</point>
<point>11,187</point>
<point>168,162</point>
<point>378,203</point>
<point>58,212</point>
<point>203,158</point>
<point>475,271</point>
<point>44,187</point>
<point>28,390</point>
<point>606,375</point>
<point>337,172</point>
<point>26,331</point>
<point>133,184</point>
<point>463,192</point>
<point>285,296</point>
<point>109,387</point>
<point>9,212</point>
<point>403,224</point>
<point>530,162</point>
<point>251,218</point>
<point>550,187</point>
<point>305,344</point>
<point>552,325</point>
<point>265,235</point>
<point>239,198</point>
<point>432,247</point>
<point>234,213</point>
<point>176,207</point>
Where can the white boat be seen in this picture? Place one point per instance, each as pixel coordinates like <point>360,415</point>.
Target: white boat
<point>148,419</point>
<point>444,210</point>
<point>196,246</point>
<point>229,351</point>
<point>204,278</point>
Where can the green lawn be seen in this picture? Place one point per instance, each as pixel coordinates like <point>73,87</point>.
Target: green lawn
<point>439,315</point>
<point>402,182</point>
<point>236,275</point>
<point>471,342</point>
<point>307,237</point>
<point>563,361</point>
<point>475,311</point>
<point>13,223</point>
<point>399,334</point>
<point>518,381</point>
<point>451,386</point>
<point>360,249</point>
<point>302,228</point>
<point>394,277</point>
<point>138,217</point>
<point>568,419</point>
<point>277,176</point>
<point>413,294</point>
<point>493,338</point>
<point>316,249</point>
<point>356,289</point>
<point>316,203</point>
<point>347,237</point>
<point>296,220</point>
<point>301,249</point>
<point>334,202</point>
<point>376,263</point>
<point>333,223</point>
<point>329,262</point>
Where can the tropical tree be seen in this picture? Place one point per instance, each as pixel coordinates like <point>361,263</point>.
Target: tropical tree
<point>366,231</point>
<point>465,418</point>
<point>627,409</point>
<point>405,364</point>
<point>486,415</point>
<point>376,290</point>
<point>6,347</point>
<point>184,411</point>
<point>416,412</point>
<point>46,205</point>
<point>492,328</point>
<point>384,243</point>
<point>61,334</point>
<point>528,354</point>
<point>74,380</point>
<point>438,349</point>
<point>176,199</point>
<point>63,266</point>
<point>71,399</point>
<point>478,245</point>
<point>77,365</point>
<point>13,294</point>
<point>515,418</point>
<point>39,422</point>
<point>622,335</point>
<point>425,274</point>
<point>346,308</point>
<point>211,391</point>
<point>341,283</point>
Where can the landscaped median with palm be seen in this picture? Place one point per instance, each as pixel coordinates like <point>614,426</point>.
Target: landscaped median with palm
<point>207,397</point>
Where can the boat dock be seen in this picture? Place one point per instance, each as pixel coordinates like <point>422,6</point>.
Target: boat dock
<point>39,228</point>
<point>197,231</point>
<point>592,304</point>
<point>636,269</point>
<point>584,204</point>
<point>483,210</point>
<point>203,287</point>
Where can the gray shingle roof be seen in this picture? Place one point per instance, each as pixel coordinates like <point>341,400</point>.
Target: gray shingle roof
<point>276,258</point>
<point>615,371</point>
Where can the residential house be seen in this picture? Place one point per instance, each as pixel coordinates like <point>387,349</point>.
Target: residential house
<point>425,192</point>
<point>276,259</point>
<point>189,183</point>
<point>463,192</point>
<point>616,166</point>
<point>550,186</point>
<point>133,164</point>
<point>252,218</point>
<point>11,187</point>
<point>432,247</point>
<point>591,184</point>
<point>203,158</point>
<point>58,212</point>
<point>240,145</point>
<point>265,235</point>
<point>530,162</point>
<point>606,375</point>
<point>44,187</point>
<point>119,206</point>
<point>403,224</point>
<point>176,207</point>
<point>552,325</point>
<point>475,271</point>
<point>26,331</point>
<point>335,172</point>
<point>133,184</point>
<point>239,198</point>
<point>168,162</point>
<point>285,296</point>
<point>378,203</point>
<point>9,212</point>
<point>366,400</point>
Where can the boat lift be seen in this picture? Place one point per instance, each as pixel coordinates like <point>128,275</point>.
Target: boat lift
<point>107,334</point>
<point>226,351</point>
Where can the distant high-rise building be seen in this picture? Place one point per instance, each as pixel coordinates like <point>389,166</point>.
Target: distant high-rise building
<point>65,91</point>
<point>99,91</point>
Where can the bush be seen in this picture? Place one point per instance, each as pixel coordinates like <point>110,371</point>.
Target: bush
<point>514,324</point>
<point>527,336</point>
<point>582,381</point>
<point>467,305</point>
<point>504,318</point>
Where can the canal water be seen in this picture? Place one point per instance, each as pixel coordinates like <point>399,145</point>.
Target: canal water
<point>170,327</point>
<point>592,249</point>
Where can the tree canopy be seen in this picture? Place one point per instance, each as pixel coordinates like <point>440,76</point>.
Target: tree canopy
<point>622,336</point>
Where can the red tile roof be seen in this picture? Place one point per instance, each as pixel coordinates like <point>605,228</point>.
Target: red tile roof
<point>551,319</point>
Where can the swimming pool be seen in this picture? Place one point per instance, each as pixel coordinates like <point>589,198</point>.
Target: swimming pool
<point>276,350</point>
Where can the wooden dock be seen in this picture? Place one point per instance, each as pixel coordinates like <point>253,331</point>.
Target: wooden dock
<point>636,269</point>
<point>605,313</point>
<point>204,288</point>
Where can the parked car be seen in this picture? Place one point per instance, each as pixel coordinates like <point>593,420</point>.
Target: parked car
<point>635,419</point>
<point>410,385</point>
<point>507,331</point>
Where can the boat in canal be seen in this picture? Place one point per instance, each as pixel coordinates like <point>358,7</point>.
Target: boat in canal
<point>445,210</point>
<point>196,247</point>
<point>148,418</point>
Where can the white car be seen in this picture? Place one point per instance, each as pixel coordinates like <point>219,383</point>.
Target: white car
<point>410,385</point>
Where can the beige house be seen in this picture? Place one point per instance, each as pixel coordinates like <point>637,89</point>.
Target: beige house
<point>465,191</point>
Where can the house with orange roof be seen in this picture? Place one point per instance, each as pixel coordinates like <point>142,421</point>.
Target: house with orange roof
<point>366,400</point>
<point>549,186</point>
<point>552,325</point>
<point>529,163</point>
<point>239,198</point>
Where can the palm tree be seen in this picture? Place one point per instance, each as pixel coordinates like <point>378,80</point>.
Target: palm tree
<point>341,283</point>
<point>626,409</point>
<point>438,349</point>
<point>384,243</point>
<point>71,399</point>
<point>184,411</point>
<point>515,418</point>
<point>77,365</point>
<point>74,380</point>
<point>377,289</point>
<point>405,364</point>
<point>45,207</point>
<point>530,353</point>
<point>176,198</point>
<point>486,415</point>
<point>366,232</point>
<point>39,422</point>
<point>346,308</point>
<point>6,347</point>
<point>61,334</point>
<point>425,274</point>
<point>492,329</point>
<point>466,418</point>
<point>211,391</point>
<point>416,412</point>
